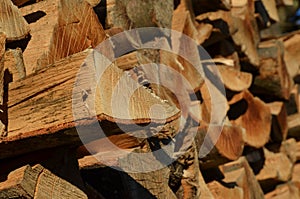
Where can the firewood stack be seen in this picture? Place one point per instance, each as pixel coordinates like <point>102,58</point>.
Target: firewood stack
<point>45,44</point>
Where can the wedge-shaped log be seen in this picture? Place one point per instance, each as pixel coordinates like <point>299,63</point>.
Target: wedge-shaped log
<point>272,174</point>
<point>37,182</point>
<point>285,191</point>
<point>252,114</point>
<point>240,24</point>
<point>228,146</point>
<point>12,22</point>
<point>64,27</point>
<point>233,79</point>
<point>273,80</point>
<point>134,14</point>
<point>41,104</point>
<point>240,173</point>
<point>279,121</point>
<point>294,125</point>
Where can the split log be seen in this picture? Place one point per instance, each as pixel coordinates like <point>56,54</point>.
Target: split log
<point>273,80</point>
<point>285,191</point>
<point>296,173</point>
<point>228,146</point>
<point>62,28</point>
<point>279,129</point>
<point>12,22</point>
<point>13,61</point>
<point>238,182</point>
<point>2,68</point>
<point>247,36</point>
<point>270,6</point>
<point>233,79</point>
<point>272,174</point>
<point>133,14</point>
<point>294,125</point>
<point>192,182</point>
<point>37,182</point>
<point>183,22</point>
<point>235,24</point>
<point>3,121</point>
<point>220,191</point>
<point>291,149</point>
<point>252,114</point>
<point>54,94</point>
<point>147,184</point>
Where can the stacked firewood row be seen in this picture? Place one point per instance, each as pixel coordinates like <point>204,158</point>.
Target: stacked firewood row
<point>46,44</point>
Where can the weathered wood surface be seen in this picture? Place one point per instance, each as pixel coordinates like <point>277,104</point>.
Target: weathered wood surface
<point>64,27</point>
<point>37,182</point>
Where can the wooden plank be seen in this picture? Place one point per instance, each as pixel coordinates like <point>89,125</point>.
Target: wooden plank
<point>12,22</point>
<point>64,27</point>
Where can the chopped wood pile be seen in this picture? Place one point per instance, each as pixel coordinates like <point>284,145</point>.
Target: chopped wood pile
<point>239,140</point>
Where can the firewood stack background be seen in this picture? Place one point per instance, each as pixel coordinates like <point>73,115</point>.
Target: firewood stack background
<point>255,46</point>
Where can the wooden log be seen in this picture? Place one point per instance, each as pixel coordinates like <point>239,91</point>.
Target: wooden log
<point>148,184</point>
<point>54,94</point>
<point>272,174</point>
<point>273,80</point>
<point>220,191</point>
<point>290,148</point>
<point>192,182</point>
<point>285,191</point>
<point>228,146</point>
<point>271,8</point>
<point>296,172</point>
<point>294,125</point>
<point>3,121</point>
<point>13,61</point>
<point>131,14</point>
<point>62,28</point>
<point>182,21</point>
<point>279,129</point>
<point>235,24</point>
<point>244,112</point>
<point>247,37</point>
<point>241,173</point>
<point>12,22</point>
<point>233,79</point>
<point>37,182</point>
